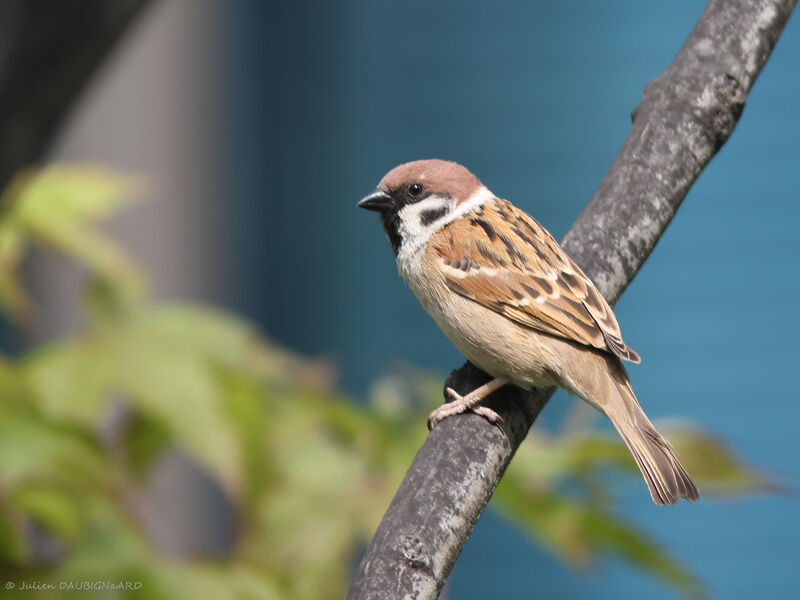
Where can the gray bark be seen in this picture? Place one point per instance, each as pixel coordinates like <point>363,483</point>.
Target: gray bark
<point>685,116</point>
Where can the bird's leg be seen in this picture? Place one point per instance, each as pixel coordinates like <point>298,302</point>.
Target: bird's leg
<point>462,404</point>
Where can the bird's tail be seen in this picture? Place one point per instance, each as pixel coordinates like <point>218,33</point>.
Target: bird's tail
<point>665,476</point>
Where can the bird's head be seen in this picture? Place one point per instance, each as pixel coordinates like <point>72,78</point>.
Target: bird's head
<point>418,198</point>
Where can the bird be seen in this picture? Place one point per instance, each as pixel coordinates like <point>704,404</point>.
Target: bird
<point>516,305</point>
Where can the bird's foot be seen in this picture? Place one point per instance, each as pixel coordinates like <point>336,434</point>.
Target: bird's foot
<point>461,404</point>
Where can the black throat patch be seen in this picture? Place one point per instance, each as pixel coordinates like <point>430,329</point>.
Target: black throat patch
<point>390,218</point>
<point>391,225</point>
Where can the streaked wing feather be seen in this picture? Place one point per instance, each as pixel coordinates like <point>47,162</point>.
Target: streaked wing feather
<point>512,265</point>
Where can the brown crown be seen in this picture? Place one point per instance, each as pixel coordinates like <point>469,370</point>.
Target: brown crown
<point>438,176</point>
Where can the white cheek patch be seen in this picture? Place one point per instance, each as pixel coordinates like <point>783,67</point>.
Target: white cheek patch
<point>419,221</point>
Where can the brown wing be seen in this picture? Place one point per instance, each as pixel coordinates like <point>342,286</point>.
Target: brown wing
<point>509,263</point>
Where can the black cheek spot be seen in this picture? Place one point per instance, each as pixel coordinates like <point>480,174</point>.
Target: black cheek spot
<point>429,216</point>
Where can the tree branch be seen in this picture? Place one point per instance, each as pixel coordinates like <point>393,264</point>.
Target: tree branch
<point>685,116</point>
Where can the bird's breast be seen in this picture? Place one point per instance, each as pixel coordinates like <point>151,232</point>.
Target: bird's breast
<point>489,340</point>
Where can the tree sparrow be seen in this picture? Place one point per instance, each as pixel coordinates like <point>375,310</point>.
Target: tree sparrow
<point>506,294</point>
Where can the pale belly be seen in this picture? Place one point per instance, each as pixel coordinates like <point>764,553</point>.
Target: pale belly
<point>493,343</point>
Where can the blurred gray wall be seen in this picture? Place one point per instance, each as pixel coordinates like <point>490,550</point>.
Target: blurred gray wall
<point>154,110</point>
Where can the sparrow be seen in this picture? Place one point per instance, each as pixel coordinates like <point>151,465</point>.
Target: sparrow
<point>515,304</point>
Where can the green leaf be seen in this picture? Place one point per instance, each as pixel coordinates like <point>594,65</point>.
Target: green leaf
<point>15,395</point>
<point>58,207</point>
<point>205,332</point>
<point>73,380</point>
<point>143,440</point>
<point>82,192</point>
<point>53,508</point>
<point>175,384</point>
<point>13,541</point>
<point>13,298</point>
<point>32,448</point>
<point>111,546</point>
<point>198,580</point>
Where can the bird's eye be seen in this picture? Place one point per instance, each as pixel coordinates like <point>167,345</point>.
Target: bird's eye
<point>416,189</point>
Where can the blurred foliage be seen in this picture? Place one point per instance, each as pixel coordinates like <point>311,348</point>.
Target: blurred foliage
<point>308,471</point>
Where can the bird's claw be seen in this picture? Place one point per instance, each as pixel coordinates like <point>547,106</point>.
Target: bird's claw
<point>461,404</point>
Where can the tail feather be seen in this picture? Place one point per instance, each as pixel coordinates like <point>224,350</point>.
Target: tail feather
<point>665,476</point>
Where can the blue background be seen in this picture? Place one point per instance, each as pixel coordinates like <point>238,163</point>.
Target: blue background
<point>535,99</point>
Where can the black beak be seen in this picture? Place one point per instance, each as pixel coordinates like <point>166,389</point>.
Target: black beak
<point>377,200</point>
